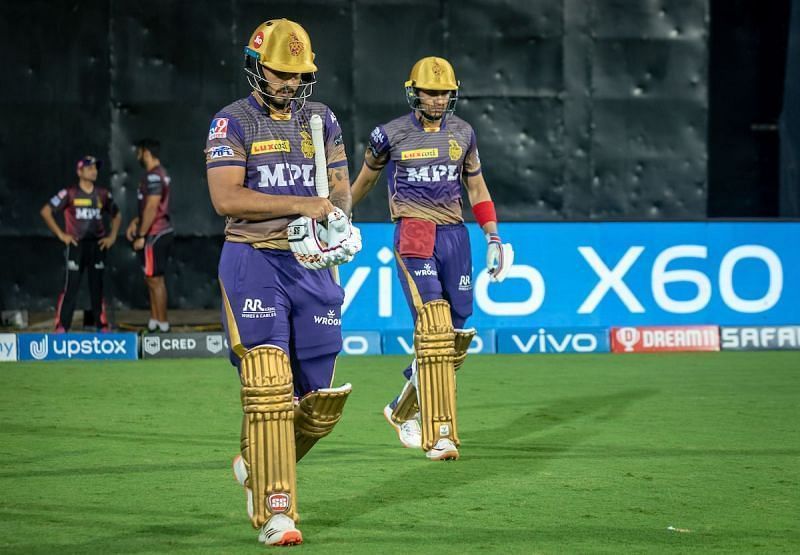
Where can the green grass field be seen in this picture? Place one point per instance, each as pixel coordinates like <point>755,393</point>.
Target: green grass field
<point>560,454</point>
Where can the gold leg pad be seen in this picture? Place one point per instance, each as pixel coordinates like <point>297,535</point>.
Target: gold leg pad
<point>462,343</point>
<point>316,415</point>
<point>268,432</point>
<point>434,341</point>
<point>407,406</point>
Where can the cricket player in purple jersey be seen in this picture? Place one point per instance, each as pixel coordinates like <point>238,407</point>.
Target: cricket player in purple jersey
<point>430,154</point>
<point>281,305</point>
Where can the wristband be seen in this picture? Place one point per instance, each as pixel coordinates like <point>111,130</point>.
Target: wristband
<point>484,212</point>
<point>493,238</point>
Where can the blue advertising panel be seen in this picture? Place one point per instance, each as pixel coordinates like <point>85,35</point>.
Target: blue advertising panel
<point>552,340</point>
<point>361,343</point>
<point>603,274</point>
<point>84,346</point>
<point>401,342</point>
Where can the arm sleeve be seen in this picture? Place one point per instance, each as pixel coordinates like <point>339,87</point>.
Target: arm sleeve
<point>60,200</point>
<point>154,184</point>
<point>472,161</point>
<point>379,146</point>
<point>334,142</point>
<point>225,145</point>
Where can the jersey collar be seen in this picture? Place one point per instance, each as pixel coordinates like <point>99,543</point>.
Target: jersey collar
<point>418,124</point>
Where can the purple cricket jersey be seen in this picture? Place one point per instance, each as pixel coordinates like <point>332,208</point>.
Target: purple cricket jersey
<point>426,168</point>
<point>278,157</point>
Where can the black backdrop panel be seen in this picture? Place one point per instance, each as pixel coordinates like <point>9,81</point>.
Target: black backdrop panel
<point>583,109</point>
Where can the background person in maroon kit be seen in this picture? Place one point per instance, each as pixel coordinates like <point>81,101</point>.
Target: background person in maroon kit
<point>84,236</point>
<point>151,231</point>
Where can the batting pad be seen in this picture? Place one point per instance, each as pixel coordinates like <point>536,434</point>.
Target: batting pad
<point>433,341</point>
<point>316,415</point>
<point>462,343</point>
<point>407,406</point>
<point>268,432</point>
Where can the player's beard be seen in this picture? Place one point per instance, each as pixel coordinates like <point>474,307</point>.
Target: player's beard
<point>281,99</point>
<point>432,118</point>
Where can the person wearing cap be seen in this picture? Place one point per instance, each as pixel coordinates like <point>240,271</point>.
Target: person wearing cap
<point>281,306</point>
<point>431,155</point>
<point>151,233</point>
<point>85,239</point>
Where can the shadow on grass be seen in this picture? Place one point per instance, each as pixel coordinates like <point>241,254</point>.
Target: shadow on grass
<point>506,445</point>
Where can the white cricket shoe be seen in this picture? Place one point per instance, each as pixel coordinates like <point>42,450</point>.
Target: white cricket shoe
<point>409,432</point>
<point>280,530</point>
<point>444,450</point>
<point>240,473</point>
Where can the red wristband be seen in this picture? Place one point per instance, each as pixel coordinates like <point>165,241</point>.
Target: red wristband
<point>484,212</point>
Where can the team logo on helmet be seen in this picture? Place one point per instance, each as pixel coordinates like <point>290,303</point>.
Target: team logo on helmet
<point>307,145</point>
<point>296,46</point>
<point>258,40</point>
<point>455,149</point>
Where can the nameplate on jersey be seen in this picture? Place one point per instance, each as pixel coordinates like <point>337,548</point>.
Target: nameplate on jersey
<point>419,154</point>
<point>266,147</point>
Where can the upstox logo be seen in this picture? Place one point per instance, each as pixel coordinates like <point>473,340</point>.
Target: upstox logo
<point>419,154</point>
<point>39,349</point>
<point>79,346</point>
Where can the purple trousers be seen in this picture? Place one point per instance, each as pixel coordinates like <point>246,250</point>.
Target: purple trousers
<point>269,299</point>
<point>445,275</point>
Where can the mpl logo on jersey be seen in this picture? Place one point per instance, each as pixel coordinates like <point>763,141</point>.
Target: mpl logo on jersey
<point>401,342</point>
<point>8,347</point>
<point>84,346</point>
<point>654,339</point>
<point>361,343</point>
<point>552,340</point>
<point>760,338</point>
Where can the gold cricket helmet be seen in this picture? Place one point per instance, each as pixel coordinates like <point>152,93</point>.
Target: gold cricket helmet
<point>433,74</point>
<point>282,45</point>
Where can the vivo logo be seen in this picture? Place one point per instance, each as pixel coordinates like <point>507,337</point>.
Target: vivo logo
<point>544,342</point>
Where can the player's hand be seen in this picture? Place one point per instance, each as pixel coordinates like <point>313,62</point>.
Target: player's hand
<point>499,257</point>
<point>343,238</point>
<point>106,242</point>
<point>305,244</point>
<point>138,244</point>
<point>67,239</point>
<point>315,208</point>
<point>130,233</point>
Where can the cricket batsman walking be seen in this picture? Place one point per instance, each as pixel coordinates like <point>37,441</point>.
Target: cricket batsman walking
<point>430,153</point>
<point>281,305</point>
